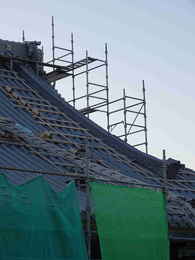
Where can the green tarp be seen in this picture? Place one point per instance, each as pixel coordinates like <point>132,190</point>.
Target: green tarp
<point>131,222</point>
<point>37,223</point>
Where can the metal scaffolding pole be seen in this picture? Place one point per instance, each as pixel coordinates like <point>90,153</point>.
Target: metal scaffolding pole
<point>164,172</point>
<point>87,82</point>
<point>23,36</point>
<point>125,116</point>
<point>53,42</point>
<point>107,88</point>
<point>88,202</point>
<point>145,117</point>
<point>53,45</point>
<point>73,76</point>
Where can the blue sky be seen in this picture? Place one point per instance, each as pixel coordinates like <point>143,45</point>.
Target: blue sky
<point>148,39</point>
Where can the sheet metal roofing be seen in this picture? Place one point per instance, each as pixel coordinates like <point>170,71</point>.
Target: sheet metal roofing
<point>40,132</point>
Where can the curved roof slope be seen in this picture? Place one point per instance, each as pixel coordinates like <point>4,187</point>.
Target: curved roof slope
<point>44,134</point>
<point>147,161</point>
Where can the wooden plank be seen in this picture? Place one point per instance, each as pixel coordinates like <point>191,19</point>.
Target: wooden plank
<point>68,165</point>
<point>7,93</point>
<point>42,118</point>
<point>50,111</point>
<point>21,89</point>
<point>35,99</point>
<point>74,136</point>
<point>63,126</point>
<point>60,142</point>
<point>40,105</point>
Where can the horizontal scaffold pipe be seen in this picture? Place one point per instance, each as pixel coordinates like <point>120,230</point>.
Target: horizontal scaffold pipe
<point>6,58</point>
<point>89,178</point>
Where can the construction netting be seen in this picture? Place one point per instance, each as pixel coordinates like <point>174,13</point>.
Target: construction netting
<point>38,223</point>
<point>131,222</point>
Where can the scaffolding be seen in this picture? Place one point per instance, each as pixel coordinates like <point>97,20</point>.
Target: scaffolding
<point>96,94</point>
<point>137,108</point>
<point>60,72</point>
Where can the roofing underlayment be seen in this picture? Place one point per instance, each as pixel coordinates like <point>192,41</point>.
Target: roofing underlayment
<point>40,133</point>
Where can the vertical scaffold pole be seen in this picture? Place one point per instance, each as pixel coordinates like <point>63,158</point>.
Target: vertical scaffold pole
<point>23,36</point>
<point>53,44</point>
<point>53,41</point>
<point>164,171</point>
<point>165,181</point>
<point>88,202</point>
<point>42,49</point>
<point>125,115</point>
<point>73,76</point>
<point>87,81</point>
<point>107,88</point>
<point>145,117</point>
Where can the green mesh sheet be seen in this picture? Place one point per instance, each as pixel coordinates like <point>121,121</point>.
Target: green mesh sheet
<point>131,222</point>
<point>38,223</point>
